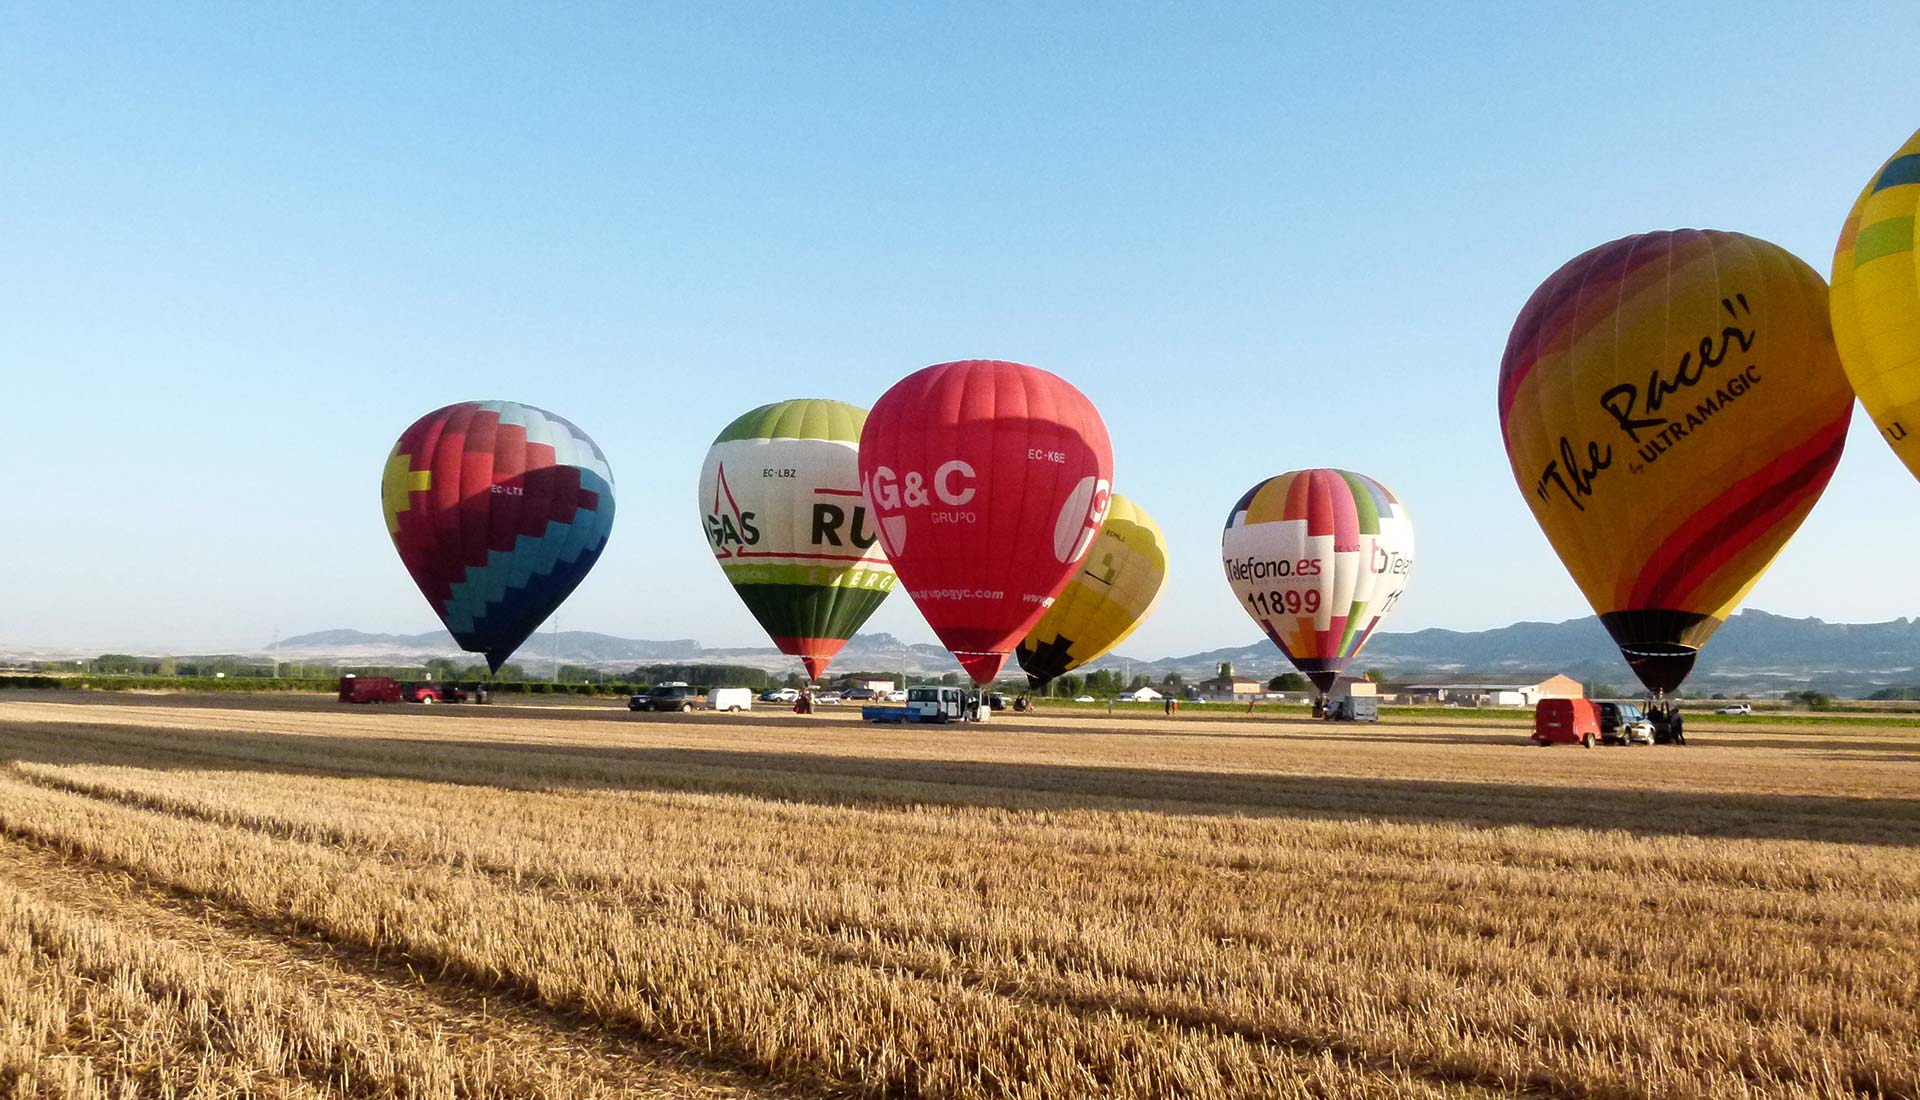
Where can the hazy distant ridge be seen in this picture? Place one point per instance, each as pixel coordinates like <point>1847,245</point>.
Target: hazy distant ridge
<point>1754,651</point>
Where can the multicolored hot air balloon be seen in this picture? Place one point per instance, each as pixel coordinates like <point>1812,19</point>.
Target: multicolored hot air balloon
<point>1318,558</point>
<point>1116,587</point>
<point>1875,305</point>
<point>498,509</point>
<point>780,499</point>
<point>1673,406</point>
<point>989,481</point>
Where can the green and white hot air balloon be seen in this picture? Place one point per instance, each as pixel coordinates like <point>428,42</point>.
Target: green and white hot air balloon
<point>780,499</point>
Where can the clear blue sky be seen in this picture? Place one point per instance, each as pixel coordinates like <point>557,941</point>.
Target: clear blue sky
<point>242,247</point>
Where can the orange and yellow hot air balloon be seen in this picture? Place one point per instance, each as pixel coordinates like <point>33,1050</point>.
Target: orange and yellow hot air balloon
<point>1876,301</point>
<point>1673,407</point>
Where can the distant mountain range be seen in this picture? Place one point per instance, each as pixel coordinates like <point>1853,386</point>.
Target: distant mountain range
<point>1755,651</point>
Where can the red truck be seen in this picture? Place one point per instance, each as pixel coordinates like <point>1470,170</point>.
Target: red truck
<point>369,689</point>
<point>1566,722</point>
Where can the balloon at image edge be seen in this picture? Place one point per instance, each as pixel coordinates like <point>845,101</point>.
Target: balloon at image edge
<point>988,481</point>
<point>498,510</point>
<point>1117,585</point>
<point>1318,558</point>
<point>780,500</point>
<point>1672,407</point>
<point>1875,301</point>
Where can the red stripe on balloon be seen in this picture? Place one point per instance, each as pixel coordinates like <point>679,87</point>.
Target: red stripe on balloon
<point>1549,315</point>
<point>1730,523</point>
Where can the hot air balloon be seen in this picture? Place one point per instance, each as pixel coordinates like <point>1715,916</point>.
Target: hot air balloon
<point>1673,406</point>
<point>1116,587</point>
<point>498,509</point>
<point>989,481</point>
<point>1318,558</point>
<point>780,499</point>
<point>1875,303</point>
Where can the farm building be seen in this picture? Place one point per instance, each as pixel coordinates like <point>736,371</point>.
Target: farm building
<point>1557,686</point>
<point>1227,687</point>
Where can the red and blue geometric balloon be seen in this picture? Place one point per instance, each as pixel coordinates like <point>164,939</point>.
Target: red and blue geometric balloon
<point>499,510</point>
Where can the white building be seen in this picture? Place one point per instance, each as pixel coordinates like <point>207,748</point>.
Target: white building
<point>1494,695</point>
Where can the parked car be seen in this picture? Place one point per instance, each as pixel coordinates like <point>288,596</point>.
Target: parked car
<point>1084,699</point>
<point>827,698</point>
<point>1618,721</point>
<point>780,695</point>
<point>1736,708</point>
<point>676,696</point>
<point>897,695</point>
<point>432,693</point>
<point>1566,722</point>
<point>861,695</point>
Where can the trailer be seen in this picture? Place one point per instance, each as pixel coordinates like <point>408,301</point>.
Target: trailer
<point>369,689</point>
<point>886,714</point>
<point>1354,708</point>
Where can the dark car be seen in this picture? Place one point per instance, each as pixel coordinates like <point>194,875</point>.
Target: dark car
<point>665,697</point>
<point>861,695</point>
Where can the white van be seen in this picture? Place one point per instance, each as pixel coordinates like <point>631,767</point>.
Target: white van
<point>937,704</point>
<point>730,699</point>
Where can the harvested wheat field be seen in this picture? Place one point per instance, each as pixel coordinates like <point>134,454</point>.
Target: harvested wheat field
<point>289,897</point>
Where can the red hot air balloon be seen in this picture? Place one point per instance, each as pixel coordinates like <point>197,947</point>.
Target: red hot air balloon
<point>989,481</point>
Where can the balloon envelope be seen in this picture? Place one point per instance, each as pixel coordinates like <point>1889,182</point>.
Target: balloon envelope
<point>1318,558</point>
<point>1673,406</point>
<point>780,500</point>
<point>989,481</point>
<point>1875,304</point>
<point>1116,587</point>
<point>498,509</point>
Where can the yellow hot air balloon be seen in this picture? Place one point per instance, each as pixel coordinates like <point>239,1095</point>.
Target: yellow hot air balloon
<point>1876,301</point>
<point>1673,406</point>
<point>1116,588</point>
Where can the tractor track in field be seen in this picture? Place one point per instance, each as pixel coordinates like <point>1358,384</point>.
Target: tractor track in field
<point>275,938</point>
<point>406,995</point>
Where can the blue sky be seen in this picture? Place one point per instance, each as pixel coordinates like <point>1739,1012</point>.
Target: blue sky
<point>242,247</point>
